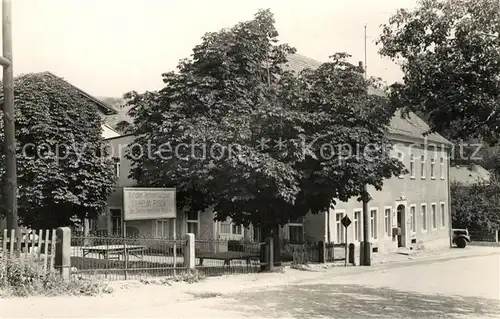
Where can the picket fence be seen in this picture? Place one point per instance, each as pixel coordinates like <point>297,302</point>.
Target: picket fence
<point>35,244</point>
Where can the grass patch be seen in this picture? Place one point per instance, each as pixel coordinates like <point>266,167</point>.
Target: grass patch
<point>26,277</point>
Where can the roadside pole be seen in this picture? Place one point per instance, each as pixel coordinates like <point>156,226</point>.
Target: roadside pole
<point>8,118</point>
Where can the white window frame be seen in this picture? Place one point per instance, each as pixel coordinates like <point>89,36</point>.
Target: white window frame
<point>412,166</point>
<point>387,221</point>
<point>434,216</point>
<point>373,231</point>
<point>359,220</point>
<point>433,168</point>
<point>338,225</point>
<point>422,167</point>
<point>400,158</point>
<point>231,235</point>
<point>442,214</point>
<point>192,221</point>
<point>117,166</point>
<point>442,167</point>
<point>413,219</point>
<point>423,215</point>
<point>163,222</point>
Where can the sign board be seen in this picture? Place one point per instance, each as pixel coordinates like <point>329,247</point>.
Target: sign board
<point>141,203</point>
<point>346,221</point>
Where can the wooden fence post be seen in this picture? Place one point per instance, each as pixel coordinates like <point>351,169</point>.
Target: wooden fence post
<point>63,251</point>
<point>321,251</point>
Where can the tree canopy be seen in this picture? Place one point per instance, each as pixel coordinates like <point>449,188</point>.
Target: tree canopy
<point>59,135</point>
<point>477,206</point>
<point>449,51</point>
<point>236,130</point>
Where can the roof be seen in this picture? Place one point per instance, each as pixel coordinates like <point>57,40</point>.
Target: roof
<point>103,107</point>
<point>411,126</point>
<point>469,174</point>
<point>109,132</point>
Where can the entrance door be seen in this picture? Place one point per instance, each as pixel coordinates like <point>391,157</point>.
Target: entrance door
<point>402,225</point>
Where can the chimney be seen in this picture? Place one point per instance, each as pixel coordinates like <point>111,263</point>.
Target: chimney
<point>360,64</point>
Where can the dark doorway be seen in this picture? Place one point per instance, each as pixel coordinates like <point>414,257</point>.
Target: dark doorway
<point>401,225</point>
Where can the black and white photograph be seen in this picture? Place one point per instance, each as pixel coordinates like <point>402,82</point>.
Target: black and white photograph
<point>250,159</point>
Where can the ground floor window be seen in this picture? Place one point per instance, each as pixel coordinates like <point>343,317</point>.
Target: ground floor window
<point>339,228</point>
<point>373,223</point>
<point>163,228</point>
<point>357,226</point>
<point>227,228</point>
<point>443,215</point>
<point>193,223</point>
<point>296,233</point>
<point>387,222</point>
<point>413,219</point>
<point>116,221</point>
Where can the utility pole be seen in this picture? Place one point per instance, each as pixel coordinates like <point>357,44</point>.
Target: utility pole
<point>8,117</point>
<point>365,247</point>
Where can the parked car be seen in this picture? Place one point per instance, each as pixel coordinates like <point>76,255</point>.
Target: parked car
<point>460,237</point>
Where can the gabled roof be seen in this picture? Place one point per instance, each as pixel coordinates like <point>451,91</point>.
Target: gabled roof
<point>411,127</point>
<point>469,174</point>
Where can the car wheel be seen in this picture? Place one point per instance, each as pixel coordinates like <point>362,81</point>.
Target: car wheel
<point>461,242</point>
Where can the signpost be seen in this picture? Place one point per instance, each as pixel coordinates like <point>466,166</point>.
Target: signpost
<point>346,221</point>
<point>141,203</point>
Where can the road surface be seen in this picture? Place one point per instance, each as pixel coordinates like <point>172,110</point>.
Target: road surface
<point>466,287</point>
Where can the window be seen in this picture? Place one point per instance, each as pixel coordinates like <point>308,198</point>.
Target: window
<point>422,167</point>
<point>442,167</point>
<point>413,219</point>
<point>412,166</point>
<point>387,222</point>
<point>117,166</point>
<point>423,210</point>
<point>434,215</point>
<point>228,229</point>
<point>373,223</point>
<point>192,222</point>
<point>116,221</point>
<point>357,226</point>
<point>237,229</point>
<point>296,234</point>
<point>443,215</point>
<point>225,227</point>
<point>339,227</point>
<point>400,158</point>
<point>163,228</point>
<point>433,164</point>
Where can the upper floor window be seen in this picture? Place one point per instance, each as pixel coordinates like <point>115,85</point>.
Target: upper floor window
<point>400,158</point>
<point>442,167</point>
<point>422,167</point>
<point>116,161</point>
<point>433,164</point>
<point>412,166</point>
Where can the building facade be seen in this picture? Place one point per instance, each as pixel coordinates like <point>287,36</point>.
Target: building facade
<point>411,210</point>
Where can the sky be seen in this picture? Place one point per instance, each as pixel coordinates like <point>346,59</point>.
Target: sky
<point>109,47</point>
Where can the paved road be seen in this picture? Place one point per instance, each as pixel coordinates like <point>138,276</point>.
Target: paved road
<point>456,288</point>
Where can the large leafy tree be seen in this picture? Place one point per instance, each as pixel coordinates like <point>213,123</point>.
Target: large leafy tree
<point>235,130</point>
<point>476,206</point>
<point>449,51</point>
<point>59,137</point>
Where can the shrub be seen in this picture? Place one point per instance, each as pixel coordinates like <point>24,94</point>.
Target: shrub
<point>27,277</point>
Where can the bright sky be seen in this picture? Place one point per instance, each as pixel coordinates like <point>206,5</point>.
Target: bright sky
<point>108,47</point>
